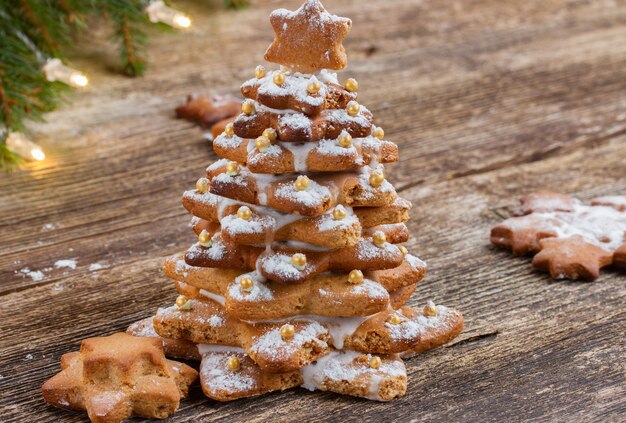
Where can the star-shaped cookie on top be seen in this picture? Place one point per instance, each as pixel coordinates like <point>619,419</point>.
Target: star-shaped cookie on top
<point>308,39</point>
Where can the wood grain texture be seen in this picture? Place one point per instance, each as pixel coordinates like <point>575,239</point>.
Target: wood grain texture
<point>487,100</point>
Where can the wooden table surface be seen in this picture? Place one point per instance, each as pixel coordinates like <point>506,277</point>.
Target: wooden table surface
<point>487,100</point>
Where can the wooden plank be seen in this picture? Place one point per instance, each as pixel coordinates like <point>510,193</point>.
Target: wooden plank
<point>559,341</point>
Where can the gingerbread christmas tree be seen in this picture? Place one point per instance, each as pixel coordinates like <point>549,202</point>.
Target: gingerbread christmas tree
<point>298,276</point>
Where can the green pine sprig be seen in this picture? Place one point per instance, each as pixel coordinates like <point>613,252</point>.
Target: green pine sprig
<point>32,31</point>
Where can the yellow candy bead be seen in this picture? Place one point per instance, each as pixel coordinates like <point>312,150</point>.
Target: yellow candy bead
<point>403,250</point>
<point>279,78</point>
<point>298,261</point>
<point>394,319</point>
<point>287,332</point>
<point>229,129</point>
<point>247,107</point>
<point>375,362</point>
<point>379,238</point>
<point>259,72</point>
<point>313,87</point>
<point>355,277</point>
<point>376,179</point>
<point>232,168</point>
<point>183,303</point>
<point>339,212</point>
<point>233,363</point>
<point>244,212</point>
<point>302,182</point>
<point>353,108</point>
<point>351,84</point>
<point>270,134</point>
<point>246,284</point>
<point>204,238</point>
<point>262,143</point>
<point>430,309</point>
<point>377,132</point>
<point>345,139</point>
<point>202,185</point>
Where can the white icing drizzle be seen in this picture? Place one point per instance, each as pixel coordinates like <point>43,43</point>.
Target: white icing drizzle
<point>339,328</point>
<point>340,366</point>
<point>211,348</point>
<point>220,299</point>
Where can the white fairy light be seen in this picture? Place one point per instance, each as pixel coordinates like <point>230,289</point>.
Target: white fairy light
<point>159,12</point>
<point>55,70</point>
<point>18,143</point>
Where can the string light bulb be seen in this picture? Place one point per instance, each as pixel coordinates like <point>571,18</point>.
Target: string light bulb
<point>20,144</point>
<point>158,11</point>
<point>55,70</point>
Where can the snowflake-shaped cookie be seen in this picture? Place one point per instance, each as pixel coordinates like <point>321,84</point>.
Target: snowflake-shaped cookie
<point>570,239</point>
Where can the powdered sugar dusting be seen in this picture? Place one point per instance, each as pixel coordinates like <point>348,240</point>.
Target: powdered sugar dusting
<point>35,275</point>
<point>328,223</point>
<point>236,225</point>
<point>371,289</point>
<point>272,344</point>
<point>603,226</point>
<point>279,264</point>
<point>296,122</point>
<point>228,142</point>
<point>259,292</point>
<point>66,263</point>
<point>344,366</point>
<point>415,262</point>
<point>314,195</point>
<point>411,329</point>
<point>216,376</point>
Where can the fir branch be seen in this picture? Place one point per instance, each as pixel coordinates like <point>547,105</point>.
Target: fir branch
<point>51,45</point>
<point>127,15</point>
<point>7,115</point>
<point>135,65</point>
<point>236,4</point>
<point>8,159</point>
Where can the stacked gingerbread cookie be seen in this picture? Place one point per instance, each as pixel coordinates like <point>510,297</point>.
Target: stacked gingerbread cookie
<point>299,276</point>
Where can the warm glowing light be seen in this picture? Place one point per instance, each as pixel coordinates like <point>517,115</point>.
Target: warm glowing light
<point>55,70</point>
<point>18,143</point>
<point>79,80</point>
<point>159,12</point>
<point>182,21</point>
<point>37,154</point>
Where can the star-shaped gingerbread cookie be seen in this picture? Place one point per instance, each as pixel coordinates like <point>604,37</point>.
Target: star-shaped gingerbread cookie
<point>570,239</point>
<point>308,39</point>
<point>119,376</point>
